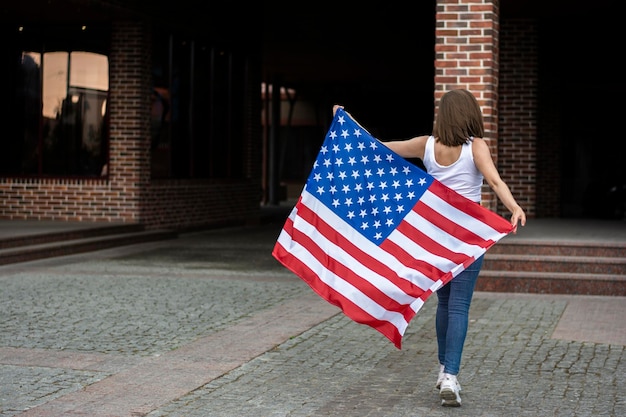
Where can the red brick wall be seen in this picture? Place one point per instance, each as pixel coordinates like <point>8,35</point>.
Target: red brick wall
<point>517,145</point>
<point>466,56</point>
<point>128,195</point>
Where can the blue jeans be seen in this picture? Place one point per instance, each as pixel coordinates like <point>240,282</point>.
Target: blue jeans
<point>452,316</point>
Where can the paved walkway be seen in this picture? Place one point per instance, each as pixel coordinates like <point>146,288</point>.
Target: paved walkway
<point>211,325</point>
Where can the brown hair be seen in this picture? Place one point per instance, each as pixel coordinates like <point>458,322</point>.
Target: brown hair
<point>459,118</point>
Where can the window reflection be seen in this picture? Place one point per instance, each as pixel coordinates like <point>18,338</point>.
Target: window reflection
<point>58,116</point>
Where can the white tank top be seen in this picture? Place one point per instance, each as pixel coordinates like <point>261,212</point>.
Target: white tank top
<point>462,175</point>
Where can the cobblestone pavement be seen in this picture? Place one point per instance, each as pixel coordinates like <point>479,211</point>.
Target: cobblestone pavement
<point>211,325</point>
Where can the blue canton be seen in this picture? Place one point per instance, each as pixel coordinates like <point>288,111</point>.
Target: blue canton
<point>364,182</point>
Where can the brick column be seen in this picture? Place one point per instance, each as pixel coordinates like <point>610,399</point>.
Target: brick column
<point>466,56</point>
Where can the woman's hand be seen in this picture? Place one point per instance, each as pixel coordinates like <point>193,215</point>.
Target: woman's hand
<point>335,107</point>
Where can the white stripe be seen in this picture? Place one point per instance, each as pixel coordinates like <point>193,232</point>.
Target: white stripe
<point>467,221</point>
<point>340,285</point>
<point>403,271</point>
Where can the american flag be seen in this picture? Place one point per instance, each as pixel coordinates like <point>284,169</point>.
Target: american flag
<point>375,235</point>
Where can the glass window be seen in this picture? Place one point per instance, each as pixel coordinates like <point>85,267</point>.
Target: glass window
<point>197,108</point>
<point>61,90</point>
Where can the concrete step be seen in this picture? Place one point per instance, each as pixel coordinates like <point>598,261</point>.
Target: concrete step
<point>25,252</point>
<point>560,248</point>
<point>36,237</point>
<point>555,267</point>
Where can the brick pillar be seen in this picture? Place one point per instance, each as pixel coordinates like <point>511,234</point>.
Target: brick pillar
<point>129,151</point>
<point>466,56</point>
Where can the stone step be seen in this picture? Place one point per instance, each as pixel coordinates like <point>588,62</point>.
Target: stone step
<point>550,263</point>
<point>560,248</point>
<point>551,283</point>
<point>78,244</point>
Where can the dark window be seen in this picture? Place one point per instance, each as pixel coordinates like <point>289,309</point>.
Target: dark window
<point>58,110</point>
<point>197,108</point>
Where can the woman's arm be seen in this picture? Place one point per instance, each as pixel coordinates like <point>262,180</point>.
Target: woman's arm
<point>406,148</point>
<point>484,163</point>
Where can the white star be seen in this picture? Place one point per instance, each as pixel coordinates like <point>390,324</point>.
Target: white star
<point>345,133</point>
<point>380,172</point>
<point>342,175</point>
<point>395,184</point>
<point>383,185</point>
<point>350,215</point>
<point>390,157</point>
<point>400,208</point>
<point>335,203</point>
<point>320,190</point>
<point>361,146</point>
<point>364,225</point>
<point>341,120</point>
<point>355,174</point>
<point>317,176</point>
<point>348,202</point>
<point>406,169</point>
<point>345,188</point>
<point>348,147</point>
<point>393,171</point>
<point>330,176</point>
<point>363,213</point>
<point>377,158</point>
<point>398,197</point>
<point>422,181</point>
<point>352,160</point>
<point>357,133</point>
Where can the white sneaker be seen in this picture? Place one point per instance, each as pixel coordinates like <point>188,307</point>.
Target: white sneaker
<point>440,378</point>
<point>450,391</point>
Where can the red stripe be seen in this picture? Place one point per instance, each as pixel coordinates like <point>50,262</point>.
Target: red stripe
<point>350,309</point>
<point>430,244</point>
<point>363,258</point>
<point>471,208</point>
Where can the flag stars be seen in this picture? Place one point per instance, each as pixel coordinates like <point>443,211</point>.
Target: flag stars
<point>398,197</point>
<point>330,176</point>
<point>357,133</point>
<point>327,163</point>
<point>382,185</point>
<point>342,175</point>
<point>400,208</point>
<point>422,181</point>
<point>368,173</point>
<point>361,146</point>
<point>348,147</point>
<point>317,177</point>
<point>336,148</point>
<point>345,188</point>
<point>380,172</point>
<point>320,190</point>
<point>395,184</point>
<point>377,158</point>
<point>355,174</point>
<point>332,135</point>
<point>390,157</point>
<point>406,170</point>
<point>360,201</point>
<point>364,225</point>
<point>377,224</point>
<point>335,203</point>
<point>365,159</point>
<point>373,145</point>
<point>341,120</point>
<point>393,171</point>
<point>344,134</point>
<point>333,189</point>
<point>350,215</point>
<point>372,198</point>
<point>348,202</point>
<point>363,213</point>
<point>409,183</point>
<point>352,160</point>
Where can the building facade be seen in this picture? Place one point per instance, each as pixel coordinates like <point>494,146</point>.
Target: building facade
<point>154,114</point>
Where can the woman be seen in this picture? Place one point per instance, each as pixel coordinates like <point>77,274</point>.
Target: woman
<point>456,155</point>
